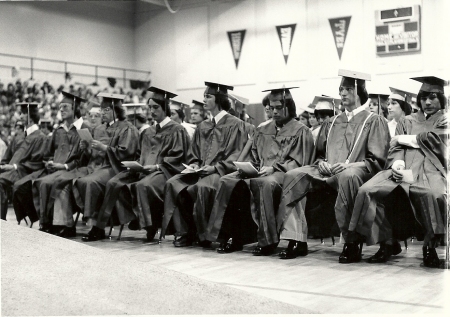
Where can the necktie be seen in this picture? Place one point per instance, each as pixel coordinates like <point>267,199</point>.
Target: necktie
<point>213,122</point>
<point>158,128</point>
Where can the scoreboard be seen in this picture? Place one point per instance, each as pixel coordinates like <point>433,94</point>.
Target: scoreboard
<point>397,30</point>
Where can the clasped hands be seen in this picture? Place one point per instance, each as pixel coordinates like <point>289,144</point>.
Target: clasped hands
<point>396,176</point>
<point>205,171</point>
<point>327,169</point>
<point>52,167</point>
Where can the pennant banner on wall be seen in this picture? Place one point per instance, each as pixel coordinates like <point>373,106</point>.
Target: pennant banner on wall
<point>236,41</point>
<point>339,27</point>
<point>286,34</point>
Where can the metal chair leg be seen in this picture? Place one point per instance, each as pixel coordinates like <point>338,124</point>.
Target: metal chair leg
<point>31,226</point>
<point>26,222</point>
<point>406,244</point>
<point>321,241</point>
<point>120,232</point>
<point>110,230</point>
<point>332,240</point>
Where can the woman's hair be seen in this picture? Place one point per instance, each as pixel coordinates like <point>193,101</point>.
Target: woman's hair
<point>440,96</point>
<point>223,102</point>
<point>180,114</point>
<point>265,100</point>
<point>322,113</point>
<point>306,116</point>
<point>406,107</point>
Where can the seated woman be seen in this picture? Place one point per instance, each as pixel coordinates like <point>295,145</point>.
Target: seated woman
<point>419,146</point>
<point>398,107</point>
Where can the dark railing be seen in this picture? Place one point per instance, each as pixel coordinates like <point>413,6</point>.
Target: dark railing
<point>124,72</point>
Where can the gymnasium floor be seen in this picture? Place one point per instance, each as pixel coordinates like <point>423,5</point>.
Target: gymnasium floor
<point>316,283</point>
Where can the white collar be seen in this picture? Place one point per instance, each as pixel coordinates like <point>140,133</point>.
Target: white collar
<point>354,112</point>
<point>112,122</point>
<point>145,126</point>
<point>31,129</point>
<point>164,122</point>
<point>77,124</point>
<point>219,116</point>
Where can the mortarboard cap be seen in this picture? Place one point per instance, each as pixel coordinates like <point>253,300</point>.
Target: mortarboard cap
<point>198,103</point>
<point>276,94</point>
<point>160,94</point>
<point>431,83</point>
<point>349,77</point>
<point>133,108</point>
<point>32,106</point>
<point>72,97</point>
<point>325,102</point>
<point>376,95</point>
<point>176,105</point>
<point>108,95</point>
<point>95,107</point>
<point>45,122</point>
<point>217,89</point>
<point>401,95</point>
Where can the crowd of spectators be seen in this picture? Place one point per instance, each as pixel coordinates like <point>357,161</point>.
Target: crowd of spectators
<point>48,97</point>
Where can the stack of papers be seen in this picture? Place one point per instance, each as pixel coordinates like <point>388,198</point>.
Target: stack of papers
<point>247,168</point>
<point>85,135</point>
<point>189,170</point>
<point>132,165</point>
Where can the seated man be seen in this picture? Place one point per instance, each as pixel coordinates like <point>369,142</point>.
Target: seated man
<point>215,145</point>
<point>59,216</point>
<point>139,193</point>
<point>387,207</point>
<point>278,147</point>
<point>123,146</point>
<point>61,153</point>
<point>23,156</point>
<point>350,149</point>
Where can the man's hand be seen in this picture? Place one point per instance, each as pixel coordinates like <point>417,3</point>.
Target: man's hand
<point>207,170</point>
<point>325,168</point>
<point>97,145</point>
<point>266,171</point>
<point>394,141</point>
<point>338,167</point>
<point>396,175</point>
<point>6,167</point>
<point>51,166</point>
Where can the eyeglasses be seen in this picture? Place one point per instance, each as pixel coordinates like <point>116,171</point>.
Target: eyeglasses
<point>105,109</point>
<point>65,107</point>
<point>278,108</point>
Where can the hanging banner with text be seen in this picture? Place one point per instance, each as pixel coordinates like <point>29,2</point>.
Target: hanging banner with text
<point>236,41</point>
<point>286,34</point>
<point>339,28</point>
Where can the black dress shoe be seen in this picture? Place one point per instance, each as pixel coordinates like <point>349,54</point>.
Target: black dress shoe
<point>396,247</point>
<point>67,232</point>
<point>205,244</point>
<point>151,232</point>
<point>229,247</point>
<point>430,257</point>
<point>351,253</point>
<point>294,249</point>
<point>94,235</point>
<point>134,225</point>
<point>267,250</point>
<point>46,228</point>
<point>183,241</point>
<point>383,254</point>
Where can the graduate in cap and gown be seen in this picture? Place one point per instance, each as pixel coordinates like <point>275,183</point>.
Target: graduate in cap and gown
<point>177,115</point>
<point>44,186</point>
<point>17,139</point>
<point>350,149</point>
<point>278,147</point>
<point>46,127</point>
<point>137,194</point>
<point>25,159</point>
<point>198,114</point>
<point>215,146</point>
<point>135,115</point>
<point>95,115</point>
<point>58,217</point>
<point>123,145</point>
<point>388,207</point>
<point>61,153</point>
<point>398,107</point>
<point>324,108</point>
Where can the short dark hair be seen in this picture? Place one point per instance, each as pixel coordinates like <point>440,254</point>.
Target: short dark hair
<point>119,110</point>
<point>324,112</point>
<point>35,116</point>
<point>266,100</point>
<point>423,94</point>
<point>180,114</point>
<point>290,105</point>
<point>362,94</point>
<point>406,107</point>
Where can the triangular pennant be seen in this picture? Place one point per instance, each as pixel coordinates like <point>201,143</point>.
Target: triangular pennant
<point>286,34</point>
<point>236,41</point>
<point>339,28</point>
